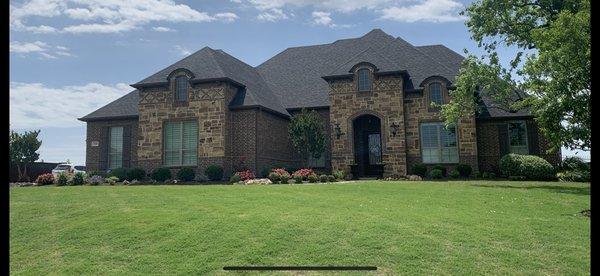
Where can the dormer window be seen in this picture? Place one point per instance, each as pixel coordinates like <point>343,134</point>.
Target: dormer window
<point>435,93</point>
<point>181,89</point>
<point>364,80</point>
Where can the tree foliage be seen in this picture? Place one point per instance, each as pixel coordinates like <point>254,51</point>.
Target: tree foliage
<point>307,134</point>
<point>553,63</point>
<point>23,151</point>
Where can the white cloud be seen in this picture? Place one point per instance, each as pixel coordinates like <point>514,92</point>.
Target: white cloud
<point>226,16</point>
<point>272,15</point>
<point>437,11</point>
<point>182,50</point>
<point>39,47</point>
<point>108,16</point>
<point>162,29</point>
<point>330,5</point>
<point>34,105</point>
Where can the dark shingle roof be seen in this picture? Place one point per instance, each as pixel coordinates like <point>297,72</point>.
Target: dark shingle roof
<point>294,77</point>
<point>126,106</point>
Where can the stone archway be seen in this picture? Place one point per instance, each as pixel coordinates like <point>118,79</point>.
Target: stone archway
<point>367,145</point>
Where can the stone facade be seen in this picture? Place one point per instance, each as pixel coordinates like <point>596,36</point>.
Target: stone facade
<point>385,101</point>
<point>207,104</point>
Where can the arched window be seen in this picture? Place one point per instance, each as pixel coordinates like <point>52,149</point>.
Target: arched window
<point>435,93</point>
<point>181,88</point>
<point>364,80</point>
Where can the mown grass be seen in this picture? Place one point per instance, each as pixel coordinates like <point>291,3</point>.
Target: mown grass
<point>456,227</point>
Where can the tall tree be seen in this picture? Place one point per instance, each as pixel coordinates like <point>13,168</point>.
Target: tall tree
<point>307,134</point>
<point>553,63</point>
<point>23,151</point>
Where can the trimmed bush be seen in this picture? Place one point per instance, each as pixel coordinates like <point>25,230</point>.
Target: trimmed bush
<point>464,170</point>
<point>62,179</point>
<point>78,179</point>
<point>492,175</point>
<point>304,173</point>
<point>136,173</point>
<point>214,172</point>
<point>485,175</point>
<point>297,179</point>
<point>246,175</point>
<point>201,178</point>
<point>339,174</point>
<point>441,168</point>
<point>235,178</point>
<point>186,174</point>
<point>574,163</point>
<point>45,179</point>
<point>284,178</point>
<point>92,173</point>
<point>436,174</point>
<point>529,166</point>
<point>161,174</point>
<point>418,169</point>
<point>111,180</point>
<point>95,180</point>
<point>454,174</point>
<point>120,173</point>
<point>274,177</point>
<point>574,176</point>
<point>331,178</point>
<point>323,178</point>
<point>313,178</point>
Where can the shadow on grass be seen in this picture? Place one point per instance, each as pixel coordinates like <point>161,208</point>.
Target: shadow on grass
<point>553,188</point>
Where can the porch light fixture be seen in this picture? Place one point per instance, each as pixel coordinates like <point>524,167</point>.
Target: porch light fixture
<point>394,129</point>
<point>338,131</point>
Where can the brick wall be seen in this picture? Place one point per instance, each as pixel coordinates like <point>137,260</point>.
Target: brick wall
<point>94,134</point>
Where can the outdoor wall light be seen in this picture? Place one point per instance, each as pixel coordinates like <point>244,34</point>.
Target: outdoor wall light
<point>394,129</point>
<point>338,131</point>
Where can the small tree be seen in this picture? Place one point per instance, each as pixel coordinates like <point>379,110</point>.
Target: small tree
<point>307,135</point>
<point>23,151</point>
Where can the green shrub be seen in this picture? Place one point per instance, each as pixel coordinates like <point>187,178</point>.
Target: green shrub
<point>298,179</point>
<point>454,174</point>
<point>274,177</point>
<point>331,178</point>
<point>186,174</point>
<point>516,178</point>
<point>62,179</point>
<point>418,169</point>
<point>485,175</point>
<point>464,170</point>
<point>136,173</point>
<point>235,178</point>
<point>120,173</point>
<point>339,174</point>
<point>441,168</point>
<point>112,180</point>
<point>214,172</point>
<point>536,168</point>
<point>323,178</point>
<point>92,173</point>
<point>510,164</point>
<point>161,174</point>
<point>436,174</point>
<point>78,179</point>
<point>492,175</point>
<point>574,163</point>
<point>313,178</point>
<point>284,178</point>
<point>574,176</point>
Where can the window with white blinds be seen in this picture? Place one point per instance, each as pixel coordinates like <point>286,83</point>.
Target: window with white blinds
<point>115,150</point>
<point>181,143</point>
<point>438,144</point>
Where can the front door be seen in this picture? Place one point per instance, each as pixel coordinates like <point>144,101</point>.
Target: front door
<point>372,153</point>
<point>367,145</point>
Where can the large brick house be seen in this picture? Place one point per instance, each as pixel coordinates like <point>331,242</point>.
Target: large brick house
<point>373,94</point>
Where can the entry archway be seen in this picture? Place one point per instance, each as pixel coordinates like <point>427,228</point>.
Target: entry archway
<point>367,145</point>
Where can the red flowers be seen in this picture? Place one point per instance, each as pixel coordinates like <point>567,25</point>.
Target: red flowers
<point>246,175</point>
<point>304,173</point>
<point>45,179</point>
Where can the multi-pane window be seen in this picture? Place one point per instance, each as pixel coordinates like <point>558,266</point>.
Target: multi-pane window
<point>181,143</point>
<point>364,80</point>
<point>115,147</point>
<point>438,144</point>
<point>435,93</point>
<point>181,88</point>
<point>517,137</point>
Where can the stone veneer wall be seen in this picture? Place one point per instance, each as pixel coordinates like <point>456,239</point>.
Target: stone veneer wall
<point>488,144</point>
<point>417,111</point>
<point>385,101</point>
<point>94,133</point>
<point>207,103</point>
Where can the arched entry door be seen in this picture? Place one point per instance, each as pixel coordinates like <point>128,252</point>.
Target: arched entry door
<point>367,145</point>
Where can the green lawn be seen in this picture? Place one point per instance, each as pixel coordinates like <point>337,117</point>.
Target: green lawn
<point>474,227</point>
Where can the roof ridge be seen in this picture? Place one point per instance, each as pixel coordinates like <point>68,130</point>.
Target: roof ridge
<point>215,61</point>
<point>427,56</point>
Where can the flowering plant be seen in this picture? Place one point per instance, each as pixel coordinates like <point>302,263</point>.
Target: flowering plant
<point>246,175</point>
<point>304,173</point>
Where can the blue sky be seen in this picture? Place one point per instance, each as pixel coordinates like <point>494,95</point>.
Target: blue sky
<point>70,57</point>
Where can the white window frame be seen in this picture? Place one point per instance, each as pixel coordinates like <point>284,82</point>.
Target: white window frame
<point>520,149</point>
<point>440,148</point>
